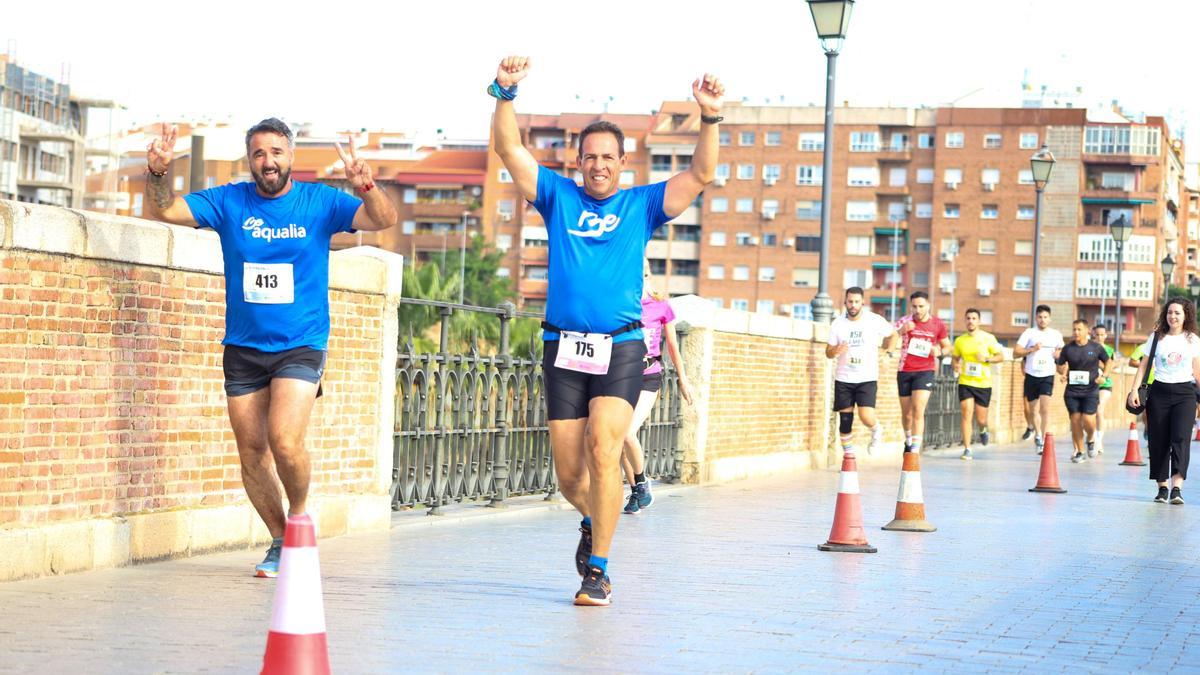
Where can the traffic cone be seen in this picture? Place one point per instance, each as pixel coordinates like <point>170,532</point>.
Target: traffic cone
<point>910,504</point>
<point>847,535</point>
<point>1133,451</point>
<point>1048,477</point>
<point>296,641</point>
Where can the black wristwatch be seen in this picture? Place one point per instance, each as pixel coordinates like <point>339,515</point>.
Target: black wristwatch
<point>710,119</point>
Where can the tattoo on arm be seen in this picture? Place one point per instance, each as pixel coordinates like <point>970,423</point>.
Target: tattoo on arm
<point>159,192</point>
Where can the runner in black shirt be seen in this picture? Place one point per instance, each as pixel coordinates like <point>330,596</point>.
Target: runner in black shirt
<point>1079,366</point>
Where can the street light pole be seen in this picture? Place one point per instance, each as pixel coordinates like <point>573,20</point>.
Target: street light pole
<point>1041,164</point>
<point>832,19</point>
<point>1120,230</point>
<point>1168,270</point>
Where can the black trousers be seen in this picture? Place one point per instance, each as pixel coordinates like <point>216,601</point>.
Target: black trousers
<point>1170,413</point>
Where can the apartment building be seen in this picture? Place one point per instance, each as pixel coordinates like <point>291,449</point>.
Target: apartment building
<point>41,146</point>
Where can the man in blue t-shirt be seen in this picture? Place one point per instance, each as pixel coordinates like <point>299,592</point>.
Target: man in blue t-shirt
<point>594,352</point>
<point>275,235</point>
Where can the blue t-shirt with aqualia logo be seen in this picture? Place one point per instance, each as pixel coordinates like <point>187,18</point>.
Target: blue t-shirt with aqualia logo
<point>596,252</point>
<point>276,254</point>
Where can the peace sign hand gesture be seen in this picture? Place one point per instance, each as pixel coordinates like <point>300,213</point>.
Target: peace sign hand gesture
<point>161,150</point>
<point>709,93</point>
<point>357,171</point>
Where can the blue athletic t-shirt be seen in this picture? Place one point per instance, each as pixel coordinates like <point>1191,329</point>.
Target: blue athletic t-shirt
<point>276,254</point>
<point>596,252</point>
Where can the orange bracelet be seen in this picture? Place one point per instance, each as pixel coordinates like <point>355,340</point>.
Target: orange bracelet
<point>366,188</point>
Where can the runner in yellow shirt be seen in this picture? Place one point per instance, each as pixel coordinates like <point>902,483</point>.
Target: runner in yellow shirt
<point>974,352</point>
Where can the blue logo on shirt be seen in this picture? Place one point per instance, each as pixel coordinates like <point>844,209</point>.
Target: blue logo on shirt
<point>256,229</point>
<point>594,225</point>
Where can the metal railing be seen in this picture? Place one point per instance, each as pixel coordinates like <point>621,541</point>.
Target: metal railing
<point>943,416</point>
<point>472,425</point>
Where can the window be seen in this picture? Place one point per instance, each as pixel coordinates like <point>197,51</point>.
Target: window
<point>921,245</point>
<point>950,211</point>
<point>537,272</point>
<point>813,141</point>
<point>717,302</point>
<point>859,245</point>
<point>897,177</point>
<point>771,172</point>
<point>1024,212</point>
<point>1119,180</point>
<point>924,210</point>
<point>990,212</point>
<point>992,141</point>
<point>864,141</point>
<point>990,178</point>
<point>899,142</point>
<point>945,314</point>
<point>660,162</point>
<point>723,137</point>
<point>987,247</point>
<point>627,177</point>
<point>948,281</point>
<point>745,205</point>
<point>1023,247</point>
<point>802,311</point>
<point>924,175</point>
<point>808,175</point>
<point>924,140</point>
<point>861,211</point>
<point>765,307</point>
<point>741,272</point>
<point>503,176</point>
<point>866,176</point>
<point>985,282</point>
<point>954,139</point>
<point>773,138</point>
<point>770,206</point>
<point>860,278</point>
<point>808,210</point>
<point>1029,141</point>
<point>1121,140</point>
<point>410,227</point>
<point>745,172</point>
<point>718,205</point>
<point>766,274</point>
<point>949,246</point>
<point>745,138</point>
<point>722,171</point>
<point>739,304</point>
<point>952,177</point>
<point>1025,177</point>
<point>1020,319</point>
<point>921,279</point>
<point>410,195</point>
<point>1022,282</point>
<point>630,144</point>
<point>744,239</point>
<point>808,244</point>
<point>770,238</point>
<point>805,277</point>
<point>716,272</point>
<point>716,238</point>
<point>686,232</point>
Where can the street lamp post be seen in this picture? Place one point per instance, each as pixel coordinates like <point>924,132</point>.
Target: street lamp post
<point>1194,288</point>
<point>1168,269</point>
<point>1119,230</point>
<point>1042,164</point>
<point>832,20</point>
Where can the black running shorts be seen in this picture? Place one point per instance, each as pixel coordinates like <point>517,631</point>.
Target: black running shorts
<point>847,395</point>
<point>568,392</point>
<point>921,380</point>
<point>1038,386</point>
<point>652,382</point>
<point>247,370</point>
<point>1085,403</point>
<point>982,395</point>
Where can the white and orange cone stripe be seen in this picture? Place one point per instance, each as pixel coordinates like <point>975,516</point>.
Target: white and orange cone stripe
<point>296,643</point>
<point>847,534</point>
<point>910,503</point>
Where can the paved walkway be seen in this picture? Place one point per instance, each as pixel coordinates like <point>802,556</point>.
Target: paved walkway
<point>714,579</point>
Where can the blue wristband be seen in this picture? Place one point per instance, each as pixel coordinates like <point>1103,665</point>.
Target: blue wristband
<point>495,90</point>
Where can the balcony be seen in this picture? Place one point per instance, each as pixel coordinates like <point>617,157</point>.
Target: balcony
<point>440,210</point>
<point>674,250</point>
<point>1117,196</point>
<point>547,155</point>
<point>535,255</point>
<point>895,153</point>
<point>532,288</point>
<point>892,190</point>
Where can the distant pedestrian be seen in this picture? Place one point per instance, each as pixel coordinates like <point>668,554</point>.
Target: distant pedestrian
<point>1039,346</point>
<point>1100,335</point>
<point>974,353</point>
<point>855,340</point>
<point>1080,369</point>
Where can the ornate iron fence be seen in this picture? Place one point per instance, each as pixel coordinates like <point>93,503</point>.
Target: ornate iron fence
<point>473,425</point>
<point>943,416</point>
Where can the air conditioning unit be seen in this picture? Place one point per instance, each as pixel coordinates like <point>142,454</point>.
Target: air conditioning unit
<point>946,256</point>
<point>789,242</point>
<point>770,181</point>
<point>768,215</point>
<point>989,187</point>
<point>505,217</point>
<point>985,292</point>
<point>951,185</point>
<point>719,181</point>
<point>946,289</point>
<point>752,241</point>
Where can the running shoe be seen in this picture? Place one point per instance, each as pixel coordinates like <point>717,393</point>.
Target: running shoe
<point>634,504</point>
<point>1091,448</point>
<point>1176,496</point>
<point>1038,443</point>
<point>1078,457</point>
<point>269,567</point>
<point>1028,432</point>
<point>907,446</point>
<point>876,439</point>
<point>984,437</point>
<point>596,589</point>
<point>966,454</point>
<point>643,494</point>
<point>1162,495</point>
<point>583,552</point>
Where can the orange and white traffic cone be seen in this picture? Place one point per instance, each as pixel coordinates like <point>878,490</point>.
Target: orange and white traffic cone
<point>910,503</point>
<point>1048,476</point>
<point>296,642</point>
<point>1133,451</point>
<point>847,535</point>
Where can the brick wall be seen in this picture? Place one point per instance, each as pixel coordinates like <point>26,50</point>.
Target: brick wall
<point>111,398</point>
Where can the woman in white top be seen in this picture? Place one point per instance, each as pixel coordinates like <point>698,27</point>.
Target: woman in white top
<point>1171,408</point>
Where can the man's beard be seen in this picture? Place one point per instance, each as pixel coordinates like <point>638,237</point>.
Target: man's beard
<point>283,177</point>
<point>853,312</point>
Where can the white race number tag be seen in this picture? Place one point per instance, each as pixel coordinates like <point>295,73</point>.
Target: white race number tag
<point>1079,377</point>
<point>584,352</point>
<point>974,369</point>
<point>919,347</point>
<point>267,284</point>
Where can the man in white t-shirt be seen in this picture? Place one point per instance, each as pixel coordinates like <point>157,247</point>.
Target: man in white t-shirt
<point>1040,346</point>
<point>855,340</point>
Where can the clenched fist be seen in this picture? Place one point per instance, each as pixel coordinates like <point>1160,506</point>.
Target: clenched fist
<point>512,70</point>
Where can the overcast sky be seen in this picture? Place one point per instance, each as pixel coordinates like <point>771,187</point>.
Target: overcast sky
<point>423,66</point>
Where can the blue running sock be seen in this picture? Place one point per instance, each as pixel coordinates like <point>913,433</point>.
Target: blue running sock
<point>597,561</point>
<point>587,522</point>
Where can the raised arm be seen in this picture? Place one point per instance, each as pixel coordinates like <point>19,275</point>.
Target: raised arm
<point>161,202</point>
<point>506,135</point>
<point>684,187</point>
<point>377,211</point>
